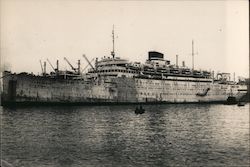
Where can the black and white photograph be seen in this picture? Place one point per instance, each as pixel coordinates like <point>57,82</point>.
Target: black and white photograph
<point>137,83</point>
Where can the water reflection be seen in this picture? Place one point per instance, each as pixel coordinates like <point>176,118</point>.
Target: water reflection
<point>165,135</point>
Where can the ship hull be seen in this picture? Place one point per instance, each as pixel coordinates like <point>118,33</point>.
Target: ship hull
<point>23,89</point>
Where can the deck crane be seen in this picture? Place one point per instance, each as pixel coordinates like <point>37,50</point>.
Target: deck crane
<point>44,68</point>
<point>85,57</point>
<point>52,66</point>
<point>88,65</point>
<point>57,65</point>
<point>41,67</point>
<point>73,68</point>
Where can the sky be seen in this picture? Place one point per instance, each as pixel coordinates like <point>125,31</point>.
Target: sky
<point>34,30</point>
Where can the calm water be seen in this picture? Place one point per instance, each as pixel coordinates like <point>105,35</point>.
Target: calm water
<point>165,135</point>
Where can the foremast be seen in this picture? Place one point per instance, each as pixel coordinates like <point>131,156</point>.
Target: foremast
<point>113,43</point>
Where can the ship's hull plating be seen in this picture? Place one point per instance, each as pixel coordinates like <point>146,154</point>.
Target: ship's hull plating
<point>28,89</point>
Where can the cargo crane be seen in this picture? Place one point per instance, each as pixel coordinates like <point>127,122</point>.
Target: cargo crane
<point>57,65</point>
<point>85,57</point>
<point>44,68</point>
<point>79,66</point>
<point>73,68</point>
<point>52,66</point>
<point>88,65</point>
<point>41,67</point>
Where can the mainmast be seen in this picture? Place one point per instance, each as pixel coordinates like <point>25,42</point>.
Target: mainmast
<point>113,41</point>
<point>193,54</point>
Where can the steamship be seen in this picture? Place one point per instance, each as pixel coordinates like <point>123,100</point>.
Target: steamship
<point>113,80</point>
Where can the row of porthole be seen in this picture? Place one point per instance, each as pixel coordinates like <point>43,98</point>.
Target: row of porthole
<point>168,84</point>
<point>164,94</point>
<point>124,71</point>
<point>152,94</point>
<point>166,88</point>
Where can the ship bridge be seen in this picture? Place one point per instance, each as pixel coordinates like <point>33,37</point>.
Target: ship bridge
<point>115,67</point>
<point>116,61</point>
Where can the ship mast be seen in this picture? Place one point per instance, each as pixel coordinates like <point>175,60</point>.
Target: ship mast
<point>193,54</point>
<point>113,41</point>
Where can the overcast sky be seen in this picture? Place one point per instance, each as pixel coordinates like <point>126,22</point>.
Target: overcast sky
<point>33,30</point>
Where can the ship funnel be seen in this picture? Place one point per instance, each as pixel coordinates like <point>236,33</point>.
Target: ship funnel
<point>153,55</point>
